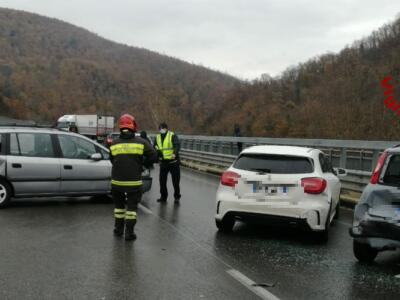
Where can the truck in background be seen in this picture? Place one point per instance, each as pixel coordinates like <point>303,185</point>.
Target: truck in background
<point>93,126</point>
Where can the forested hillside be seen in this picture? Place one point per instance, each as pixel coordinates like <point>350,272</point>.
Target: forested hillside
<point>49,68</point>
<point>330,96</point>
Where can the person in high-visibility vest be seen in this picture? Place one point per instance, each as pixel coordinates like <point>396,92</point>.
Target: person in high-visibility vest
<point>128,154</point>
<point>167,146</point>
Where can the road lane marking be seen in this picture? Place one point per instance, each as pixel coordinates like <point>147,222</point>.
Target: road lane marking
<point>145,209</point>
<point>233,271</point>
<point>248,283</point>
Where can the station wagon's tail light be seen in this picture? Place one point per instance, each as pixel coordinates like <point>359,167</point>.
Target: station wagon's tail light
<point>375,174</point>
<point>313,185</point>
<point>229,178</point>
<point>109,140</point>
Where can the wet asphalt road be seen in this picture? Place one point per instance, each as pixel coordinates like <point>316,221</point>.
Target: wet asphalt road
<point>64,249</point>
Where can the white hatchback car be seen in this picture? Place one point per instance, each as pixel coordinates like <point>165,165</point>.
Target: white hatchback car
<point>293,185</point>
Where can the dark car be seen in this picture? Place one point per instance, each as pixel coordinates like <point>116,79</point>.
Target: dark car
<point>376,223</point>
<point>110,138</point>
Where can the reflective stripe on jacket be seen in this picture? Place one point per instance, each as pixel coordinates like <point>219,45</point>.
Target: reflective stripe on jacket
<point>166,147</point>
<point>127,154</point>
<point>128,148</point>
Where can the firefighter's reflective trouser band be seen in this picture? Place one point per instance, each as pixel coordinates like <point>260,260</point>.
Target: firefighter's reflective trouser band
<point>128,148</point>
<point>130,215</point>
<point>127,183</point>
<point>166,147</point>
<point>119,213</point>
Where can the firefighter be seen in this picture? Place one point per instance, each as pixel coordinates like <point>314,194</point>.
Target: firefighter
<point>128,154</point>
<point>167,146</point>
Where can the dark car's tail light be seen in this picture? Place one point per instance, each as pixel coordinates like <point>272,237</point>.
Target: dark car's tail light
<point>313,185</point>
<point>229,178</point>
<point>109,140</point>
<point>378,168</point>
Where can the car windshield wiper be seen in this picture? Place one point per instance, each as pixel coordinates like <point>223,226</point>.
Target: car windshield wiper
<point>261,170</point>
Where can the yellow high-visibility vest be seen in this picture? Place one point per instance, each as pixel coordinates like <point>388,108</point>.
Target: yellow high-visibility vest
<point>166,147</point>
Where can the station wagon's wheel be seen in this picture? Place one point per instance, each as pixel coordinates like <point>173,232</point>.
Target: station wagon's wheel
<point>5,193</point>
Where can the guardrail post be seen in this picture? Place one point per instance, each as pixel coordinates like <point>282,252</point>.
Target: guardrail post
<point>343,158</point>
<point>220,147</point>
<point>202,146</point>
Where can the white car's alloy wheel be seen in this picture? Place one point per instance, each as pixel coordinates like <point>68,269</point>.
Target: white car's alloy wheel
<point>3,193</point>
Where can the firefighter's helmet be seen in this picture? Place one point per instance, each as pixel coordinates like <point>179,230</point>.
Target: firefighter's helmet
<point>127,121</point>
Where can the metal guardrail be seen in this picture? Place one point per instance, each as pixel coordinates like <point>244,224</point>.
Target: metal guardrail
<point>352,184</point>
<point>215,153</point>
<point>347,154</point>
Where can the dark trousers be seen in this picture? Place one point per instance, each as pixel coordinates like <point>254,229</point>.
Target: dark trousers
<point>126,204</point>
<point>175,170</point>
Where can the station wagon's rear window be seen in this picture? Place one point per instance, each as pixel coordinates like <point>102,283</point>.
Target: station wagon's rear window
<point>275,164</point>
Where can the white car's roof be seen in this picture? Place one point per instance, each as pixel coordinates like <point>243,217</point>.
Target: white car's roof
<point>280,150</point>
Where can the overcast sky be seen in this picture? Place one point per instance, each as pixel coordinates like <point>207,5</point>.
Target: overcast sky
<point>242,37</point>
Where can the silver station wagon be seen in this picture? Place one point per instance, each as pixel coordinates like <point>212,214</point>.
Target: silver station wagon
<point>36,162</point>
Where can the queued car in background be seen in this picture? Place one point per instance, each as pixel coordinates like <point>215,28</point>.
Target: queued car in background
<point>376,222</point>
<point>49,162</point>
<point>280,185</point>
<point>110,138</point>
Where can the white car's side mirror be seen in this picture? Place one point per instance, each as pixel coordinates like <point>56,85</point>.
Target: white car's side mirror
<point>340,172</point>
<point>96,157</point>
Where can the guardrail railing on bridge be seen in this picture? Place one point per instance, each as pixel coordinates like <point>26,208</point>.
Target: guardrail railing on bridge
<point>347,154</point>
<point>216,153</point>
<point>352,184</point>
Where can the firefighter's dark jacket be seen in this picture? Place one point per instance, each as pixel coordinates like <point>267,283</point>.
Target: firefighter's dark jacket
<point>128,154</point>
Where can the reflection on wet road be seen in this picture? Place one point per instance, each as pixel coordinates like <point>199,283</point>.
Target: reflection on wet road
<point>64,249</point>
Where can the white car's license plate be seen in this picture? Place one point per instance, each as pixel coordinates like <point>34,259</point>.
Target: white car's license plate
<point>269,189</point>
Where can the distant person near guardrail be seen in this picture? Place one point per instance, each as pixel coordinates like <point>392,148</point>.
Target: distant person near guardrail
<point>237,133</point>
<point>168,146</point>
<point>143,135</point>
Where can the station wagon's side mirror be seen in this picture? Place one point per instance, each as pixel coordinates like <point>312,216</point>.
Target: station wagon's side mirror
<point>340,172</point>
<point>96,157</point>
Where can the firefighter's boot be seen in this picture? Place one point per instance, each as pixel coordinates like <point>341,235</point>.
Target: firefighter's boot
<point>119,227</point>
<point>130,230</point>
